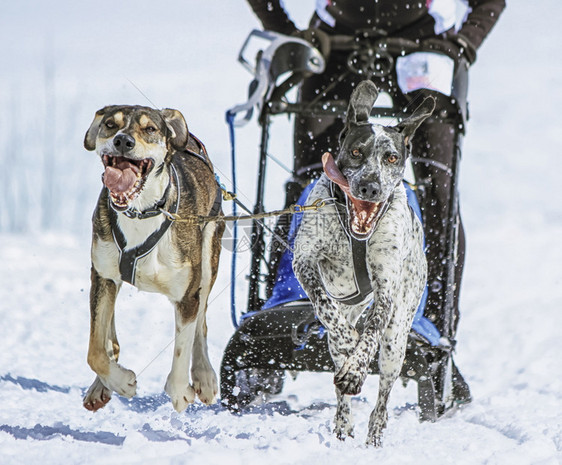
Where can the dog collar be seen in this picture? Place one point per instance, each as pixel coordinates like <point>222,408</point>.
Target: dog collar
<point>128,257</point>
<point>150,212</point>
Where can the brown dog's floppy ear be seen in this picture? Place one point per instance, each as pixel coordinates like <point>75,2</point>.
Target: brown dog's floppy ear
<point>361,102</point>
<point>409,125</point>
<point>92,133</point>
<point>177,126</point>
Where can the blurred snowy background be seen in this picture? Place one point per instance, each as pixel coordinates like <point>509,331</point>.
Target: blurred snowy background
<point>62,60</point>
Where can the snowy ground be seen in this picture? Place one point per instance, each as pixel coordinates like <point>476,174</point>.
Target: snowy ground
<point>182,54</point>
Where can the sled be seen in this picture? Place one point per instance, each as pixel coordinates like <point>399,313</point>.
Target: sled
<point>284,336</point>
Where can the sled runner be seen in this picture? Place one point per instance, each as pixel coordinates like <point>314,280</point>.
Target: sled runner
<point>277,331</point>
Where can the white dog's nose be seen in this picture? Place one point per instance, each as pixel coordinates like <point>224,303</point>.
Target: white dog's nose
<point>370,190</point>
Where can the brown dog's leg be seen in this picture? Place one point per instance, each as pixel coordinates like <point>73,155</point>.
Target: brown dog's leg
<point>98,395</point>
<point>178,385</point>
<point>104,348</point>
<point>202,373</point>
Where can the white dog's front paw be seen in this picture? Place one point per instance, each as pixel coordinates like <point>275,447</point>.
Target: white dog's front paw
<point>121,380</point>
<point>343,427</point>
<point>351,376</point>
<point>374,438</point>
<point>377,424</point>
<point>181,393</point>
<point>205,385</point>
<point>343,420</point>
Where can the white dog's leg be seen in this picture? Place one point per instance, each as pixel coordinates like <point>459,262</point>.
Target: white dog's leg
<point>391,358</point>
<point>343,336</point>
<point>343,420</point>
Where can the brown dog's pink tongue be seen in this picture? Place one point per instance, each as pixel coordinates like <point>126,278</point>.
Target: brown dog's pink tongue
<point>119,181</point>
<point>333,172</point>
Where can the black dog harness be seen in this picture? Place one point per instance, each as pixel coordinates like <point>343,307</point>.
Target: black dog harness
<point>363,286</point>
<point>128,258</point>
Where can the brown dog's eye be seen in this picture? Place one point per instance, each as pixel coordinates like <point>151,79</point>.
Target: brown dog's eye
<point>391,158</point>
<point>109,124</point>
<point>356,153</point>
<point>150,129</point>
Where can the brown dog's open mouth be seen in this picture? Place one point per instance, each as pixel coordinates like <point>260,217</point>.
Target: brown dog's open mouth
<point>125,178</point>
<point>363,215</point>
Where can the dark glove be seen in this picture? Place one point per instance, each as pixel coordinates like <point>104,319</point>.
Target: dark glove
<point>456,46</point>
<point>465,47</point>
<point>317,38</point>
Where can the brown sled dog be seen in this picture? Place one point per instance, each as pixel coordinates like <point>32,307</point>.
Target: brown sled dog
<point>152,164</point>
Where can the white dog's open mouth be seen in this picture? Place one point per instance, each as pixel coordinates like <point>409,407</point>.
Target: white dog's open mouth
<point>125,178</point>
<point>363,215</point>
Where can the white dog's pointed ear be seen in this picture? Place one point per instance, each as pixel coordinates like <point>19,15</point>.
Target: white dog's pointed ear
<point>361,102</point>
<point>92,133</point>
<point>179,134</point>
<point>409,125</point>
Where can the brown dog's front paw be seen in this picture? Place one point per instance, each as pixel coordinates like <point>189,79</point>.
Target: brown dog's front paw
<point>97,396</point>
<point>121,380</point>
<point>180,391</point>
<point>349,380</point>
<point>205,386</point>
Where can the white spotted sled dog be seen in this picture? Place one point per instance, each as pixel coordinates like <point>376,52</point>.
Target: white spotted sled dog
<point>369,226</point>
<point>153,165</point>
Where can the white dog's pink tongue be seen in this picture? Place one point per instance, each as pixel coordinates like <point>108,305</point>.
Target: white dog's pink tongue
<point>362,213</point>
<point>119,181</point>
<point>333,172</point>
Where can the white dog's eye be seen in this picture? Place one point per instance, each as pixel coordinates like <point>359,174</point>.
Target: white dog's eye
<point>391,158</point>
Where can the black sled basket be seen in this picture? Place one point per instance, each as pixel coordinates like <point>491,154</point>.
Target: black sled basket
<point>287,337</point>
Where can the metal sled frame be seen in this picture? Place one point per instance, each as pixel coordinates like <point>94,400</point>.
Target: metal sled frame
<point>288,337</point>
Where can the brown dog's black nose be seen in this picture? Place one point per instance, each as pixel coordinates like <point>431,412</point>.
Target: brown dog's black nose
<point>123,142</point>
